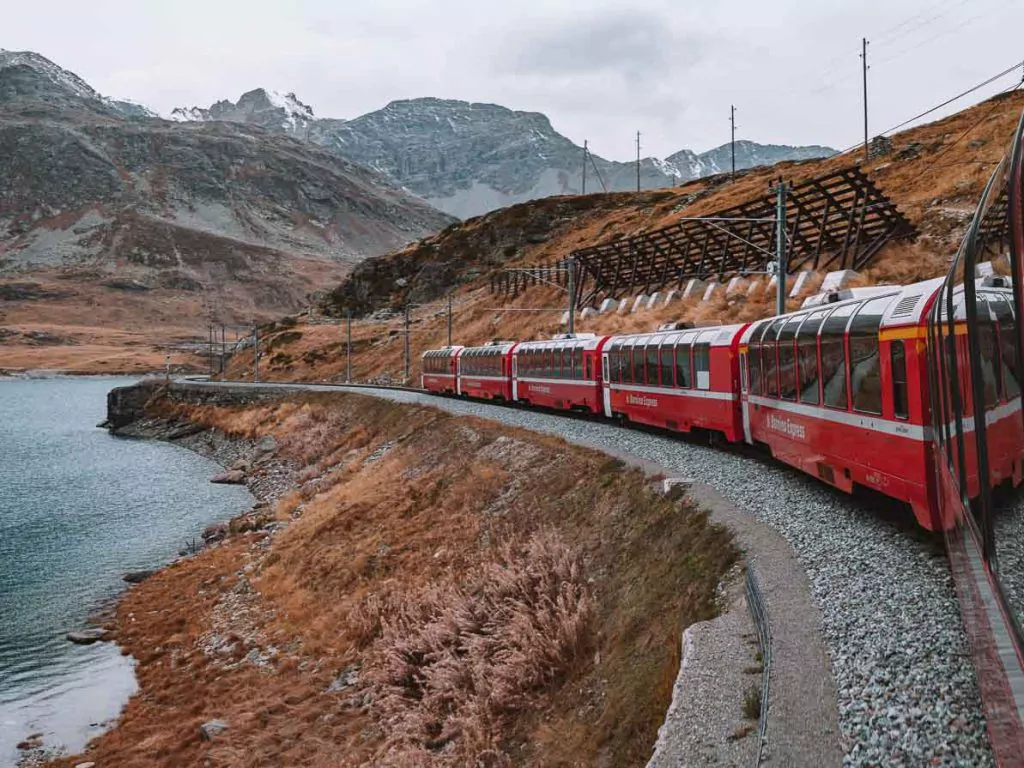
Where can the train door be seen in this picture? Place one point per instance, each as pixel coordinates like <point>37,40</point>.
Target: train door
<point>606,387</point>
<point>743,398</point>
<point>515,376</point>
<point>458,372</point>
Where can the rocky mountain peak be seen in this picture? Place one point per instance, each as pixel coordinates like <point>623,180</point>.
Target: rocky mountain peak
<point>268,109</point>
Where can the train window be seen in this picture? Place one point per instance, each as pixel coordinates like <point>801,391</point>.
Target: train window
<point>989,358</point>
<point>588,366</point>
<point>638,363</point>
<point>807,359</point>
<point>667,364</point>
<point>651,366</point>
<point>898,360</point>
<point>769,361</point>
<point>702,365</point>
<point>754,358</point>
<point>565,371</point>
<point>684,377</point>
<point>787,359</point>
<point>865,364</point>
<point>577,363</point>
<point>1007,333</point>
<point>833,357</point>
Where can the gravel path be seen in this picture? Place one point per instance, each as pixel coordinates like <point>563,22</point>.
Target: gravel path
<point>906,688</point>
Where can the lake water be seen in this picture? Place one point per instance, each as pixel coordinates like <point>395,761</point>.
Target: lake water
<point>79,508</point>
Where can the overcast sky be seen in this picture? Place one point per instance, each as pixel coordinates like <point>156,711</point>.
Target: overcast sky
<point>600,70</point>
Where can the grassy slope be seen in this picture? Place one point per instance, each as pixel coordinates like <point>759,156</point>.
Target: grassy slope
<point>505,597</point>
<point>935,175</point>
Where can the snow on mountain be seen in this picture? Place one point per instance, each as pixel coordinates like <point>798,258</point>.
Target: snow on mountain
<point>269,109</point>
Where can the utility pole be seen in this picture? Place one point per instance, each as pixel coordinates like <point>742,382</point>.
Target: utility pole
<point>348,347</point>
<point>780,247</point>
<point>638,161</point>
<point>732,141</point>
<point>223,350</point>
<point>209,347</point>
<point>584,190</point>
<point>449,321</point>
<point>571,264</point>
<point>864,63</point>
<point>406,344</point>
<point>256,358</point>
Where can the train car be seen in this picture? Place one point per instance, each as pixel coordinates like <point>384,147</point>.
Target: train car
<point>440,370</point>
<point>677,380</point>
<point>561,373</point>
<point>841,392</point>
<point>485,373</point>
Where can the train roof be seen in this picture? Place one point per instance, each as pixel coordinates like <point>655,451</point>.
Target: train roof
<point>588,341</point>
<point>717,336</point>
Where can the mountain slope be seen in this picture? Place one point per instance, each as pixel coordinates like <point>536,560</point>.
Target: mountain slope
<point>467,158</point>
<point>216,218</point>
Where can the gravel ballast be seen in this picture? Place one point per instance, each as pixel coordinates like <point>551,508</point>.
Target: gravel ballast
<point>906,689</point>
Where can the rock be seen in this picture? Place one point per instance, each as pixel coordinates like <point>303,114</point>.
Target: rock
<point>88,636</point>
<point>212,728</point>
<point>137,577</point>
<point>231,477</point>
<point>85,765</point>
<point>348,677</point>
<point>267,444</point>
<point>215,532</point>
<point>241,466</point>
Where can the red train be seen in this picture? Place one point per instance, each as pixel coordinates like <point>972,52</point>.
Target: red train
<point>839,389</point>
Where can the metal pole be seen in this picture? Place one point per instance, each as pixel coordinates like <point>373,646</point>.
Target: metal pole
<point>732,141</point>
<point>348,346</point>
<point>223,350</point>
<point>780,235</point>
<point>584,191</point>
<point>406,344</point>
<point>864,62</point>
<point>571,262</point>
<point>449,321</point>
<point>256,358</point>
<point>638,161</point>
<point>209,347</point>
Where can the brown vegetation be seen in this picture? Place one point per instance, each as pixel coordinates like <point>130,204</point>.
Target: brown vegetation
<point>448,592</point>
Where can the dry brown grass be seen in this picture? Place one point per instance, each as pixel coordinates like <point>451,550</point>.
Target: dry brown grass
<point>502,597</point>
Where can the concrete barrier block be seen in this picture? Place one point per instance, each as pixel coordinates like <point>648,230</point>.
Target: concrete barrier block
<point>736,285</point>
<point>671,296</point>
<point>694,289</point>
<point>587,313</point>
<point>565,317</point>
<point>639,303</point>
<point>836,281</point>
<point>754,287</point>
<point>624,304</point>
<point>802,279</point>
<point>652,302</point>
<point>710,290</point>
<point>608,305</point>
<point>984,269</point>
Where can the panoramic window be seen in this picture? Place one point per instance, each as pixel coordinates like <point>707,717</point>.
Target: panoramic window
<point>754,358</point>
<point>807,359</point>
<point>1007,346</point>
<point>769,360</point>
<point>787,358</point>
<point>833,357</point>
<point>865,363</point>
<point>702,365</point>
<point>667,364</point>
<point>683,370</point>
<point>651,368</point>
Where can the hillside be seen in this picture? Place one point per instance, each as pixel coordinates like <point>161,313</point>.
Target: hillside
<point>934,173</point>
<point>468,158</point>
<point>113,222</point>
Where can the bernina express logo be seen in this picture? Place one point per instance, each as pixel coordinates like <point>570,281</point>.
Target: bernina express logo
<point>647,402</point>
<point>786,427</point>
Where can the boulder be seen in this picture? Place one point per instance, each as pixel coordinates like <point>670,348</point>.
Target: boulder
<point>137,577</point>
<point>231,477</point>
<point>267,444</point>
<point>211,729</point>
<point>241,466</point>
<point>88,636</point>
<point>215,532</point>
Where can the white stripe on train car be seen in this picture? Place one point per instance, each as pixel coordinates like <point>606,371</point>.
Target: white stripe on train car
<point>699,393</point>
<point>470,378</point>
<point>871,423</point>
<point>577,382</point>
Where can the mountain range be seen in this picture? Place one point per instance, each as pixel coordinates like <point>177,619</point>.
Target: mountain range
<point>466,158</point>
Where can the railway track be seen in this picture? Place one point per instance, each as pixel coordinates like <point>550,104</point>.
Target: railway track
<point>906,690</point>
